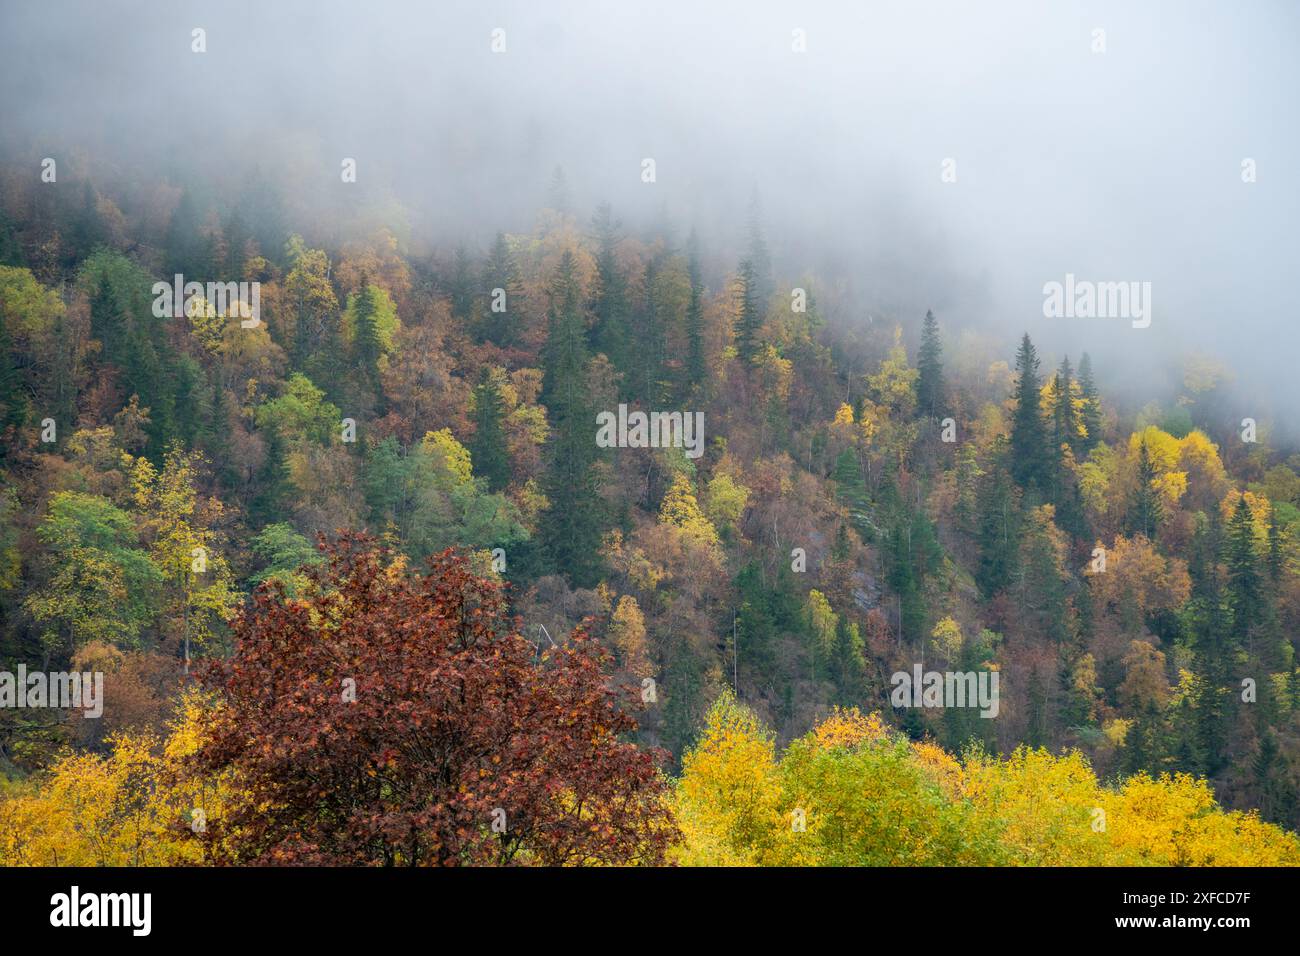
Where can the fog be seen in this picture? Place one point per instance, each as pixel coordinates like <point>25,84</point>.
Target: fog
<point>1122,165</point>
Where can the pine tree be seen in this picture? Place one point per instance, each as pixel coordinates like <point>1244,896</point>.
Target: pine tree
<point>1066,496</point>
<point>749,325</point>
<point>572,524</point>
<point>648,378</point>
<point>757,255</point>
<point>186,248</point>
<point>1065,419</point>
<point>214,436</point>
<point>696,370</point>
<point>107,320</point>
<point>1245,584</point>
<point>501,272</point>
<point>1030,464</point>
<point>488,448</point>
<point>1036,729</point>
<point>460,285</point>
<point>1090,414</point>
<point>851,490</point>
<point>1145,510</point>
<point>274,483</point>
<point>11,250</point>
<point>87,228</point>
<point>13,399</point>
<point>929,366</point>
<point>237,237</point>
<point>1209,625</point>
<point>756,620</point>
<point>1275,561</point>
<point>848,663</point>
<point>997,536</point>
<point>610,333</point>
<point>367,346</point>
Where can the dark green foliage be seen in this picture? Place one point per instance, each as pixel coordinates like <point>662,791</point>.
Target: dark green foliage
<point>1090,414</point>
<point>695,368</point>
<point>610,333</point>
<point>1145,510</point>
<point>1030,458</point>
<point>488,447</point>
<point>998,532</point>
<point>929,365</point>
<point>500,317</point>
<point>1245,582</point>
<point>572,525</point>
<point>749,324</point>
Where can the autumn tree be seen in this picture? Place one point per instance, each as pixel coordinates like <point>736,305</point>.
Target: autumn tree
<point>389,719</point>
<point>99,584</point>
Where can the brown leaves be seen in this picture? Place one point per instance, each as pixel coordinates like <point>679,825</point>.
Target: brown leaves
<point>453,720</point>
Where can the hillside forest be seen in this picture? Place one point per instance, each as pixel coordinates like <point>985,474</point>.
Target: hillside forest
<point>365,588</point>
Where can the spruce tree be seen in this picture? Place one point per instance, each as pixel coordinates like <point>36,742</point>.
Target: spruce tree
<point>501,272</point>
<point>572,524</point>
<point>648,376</point>
<point>1090,413</point>
<point>1245,584</point>
<point>851,490</point>
<point>929,366</point>
<point>1209,624</point>
<point>997,535</point>
<point>610,332</point>
<point>13,399</point>
<point>488,447</point>
<point>366,344</point>
<point>696,369</point>
<point>1275,561</point>
<point>1065,419</point>
<point>1030,464</point>
<point>1145,510</point>
<point>848,663</point>
<point>757,255</point>
<point>11,250</point>
<point>749,325</point>
<point>460,285</point>
<point>273,479</point>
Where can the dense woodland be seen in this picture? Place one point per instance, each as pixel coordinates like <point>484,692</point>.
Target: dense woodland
<point>872,495</point>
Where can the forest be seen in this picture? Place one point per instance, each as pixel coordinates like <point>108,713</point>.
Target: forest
<point>364,586</point>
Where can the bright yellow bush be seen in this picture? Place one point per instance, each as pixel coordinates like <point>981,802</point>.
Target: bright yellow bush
<point>130,808</point>
<point>867,797</point>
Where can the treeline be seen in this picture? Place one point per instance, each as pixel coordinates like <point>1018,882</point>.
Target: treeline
<point>383,718</point>
<point>870,497</point>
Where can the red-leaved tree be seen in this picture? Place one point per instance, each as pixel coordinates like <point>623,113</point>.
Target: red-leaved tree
<point>387,718</point>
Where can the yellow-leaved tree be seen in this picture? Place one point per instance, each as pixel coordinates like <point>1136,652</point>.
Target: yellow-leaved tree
<point>134,807</point>
<point>729,801</point>
<point>853,793</point>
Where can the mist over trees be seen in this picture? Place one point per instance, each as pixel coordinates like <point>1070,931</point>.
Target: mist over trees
<point>377,514</point>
